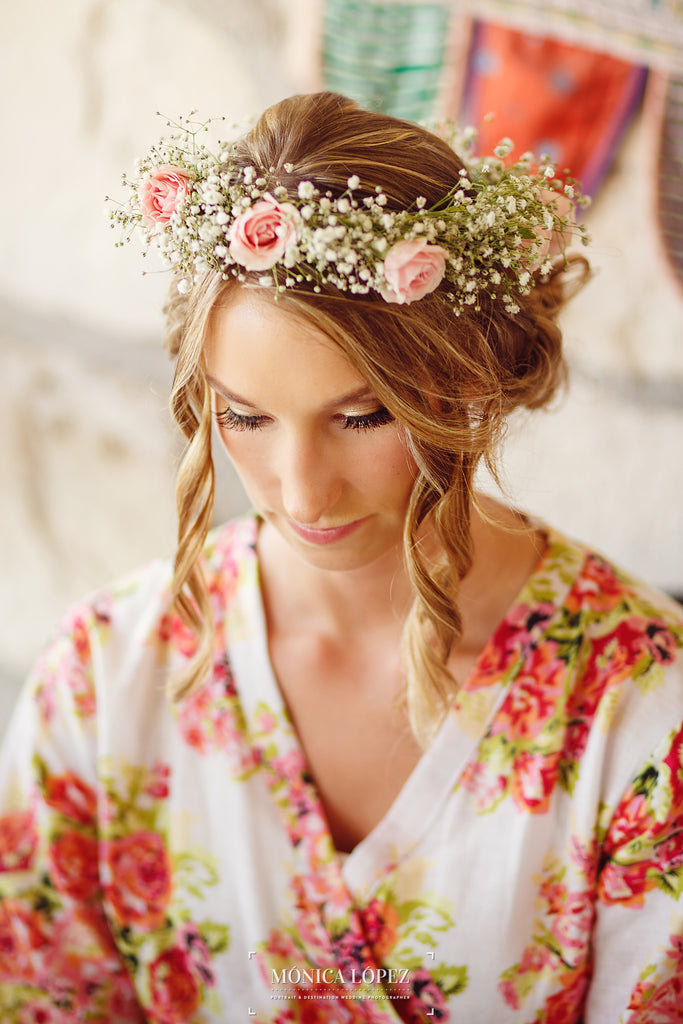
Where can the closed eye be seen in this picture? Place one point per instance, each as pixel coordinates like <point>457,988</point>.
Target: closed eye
<point>232,420</point>
<point>368,421</point>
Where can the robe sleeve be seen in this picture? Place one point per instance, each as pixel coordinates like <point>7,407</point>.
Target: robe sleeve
<point>58,960</point>
<point>638,932</point>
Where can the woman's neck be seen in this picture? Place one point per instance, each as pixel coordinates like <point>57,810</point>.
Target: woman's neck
<point>344,604</point>
<point>341,603</point>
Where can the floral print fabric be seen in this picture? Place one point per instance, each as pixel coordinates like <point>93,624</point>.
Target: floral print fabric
<point>173,864</point>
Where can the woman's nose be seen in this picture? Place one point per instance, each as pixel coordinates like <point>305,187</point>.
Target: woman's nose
<point>309,480</point>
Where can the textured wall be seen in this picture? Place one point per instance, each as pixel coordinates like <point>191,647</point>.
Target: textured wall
<point>88,452</point>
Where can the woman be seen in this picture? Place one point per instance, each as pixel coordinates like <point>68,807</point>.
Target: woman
<point>384,750</point>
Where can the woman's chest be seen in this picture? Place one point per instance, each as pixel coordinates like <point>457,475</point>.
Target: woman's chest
<point>351,722</point>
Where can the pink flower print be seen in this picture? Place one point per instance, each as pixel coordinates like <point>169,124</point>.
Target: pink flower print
<point>261,235</point>
<point>380,923</point>
<point>71,796</point>
<point>508,991</point>
<point>22,942</point>
<point>192,942</point>
<point>138,880</point>
<point>553,894</point>
<point>625,883</point>
<point>159,775</point>
<point>73,860</point>
<point>290,765</point>
<point>663,1005</point>
<point>596,588</point>
<point>535,958</point>
<point>669,854</point>
<point>18,839</point>
<point>162,193</point>
<point>532,699</point>
<point>172,632</point>
<point>265,721</point>
<point>674,767</point>
<point>533,779</point>
<point>412,269</point>
<point>660,642</point>
<point>514,638</point>
<point>566,1006</point>
<point>174,987</point>
<point>487,788</point>
<point>572,926</point>
<point>426,997</point>
<point>43,1011</point>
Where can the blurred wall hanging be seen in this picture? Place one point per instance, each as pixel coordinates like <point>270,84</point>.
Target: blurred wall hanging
<point>585,64</point>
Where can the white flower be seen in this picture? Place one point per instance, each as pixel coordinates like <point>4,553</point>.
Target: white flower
<point>306,190</point>
<point>289,168</point>
<point>353,182</point>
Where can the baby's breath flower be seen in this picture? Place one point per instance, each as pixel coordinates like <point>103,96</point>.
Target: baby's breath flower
<point>493,219</point>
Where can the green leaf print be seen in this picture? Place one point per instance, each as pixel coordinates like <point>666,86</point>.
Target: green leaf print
<point>451,980</point>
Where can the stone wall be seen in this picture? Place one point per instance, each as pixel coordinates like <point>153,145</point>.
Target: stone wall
<point>88,449</point>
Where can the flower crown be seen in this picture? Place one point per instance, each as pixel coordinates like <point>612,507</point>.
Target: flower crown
<point>497,226</point>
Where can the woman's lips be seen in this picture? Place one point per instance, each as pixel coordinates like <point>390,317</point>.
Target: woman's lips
<point>328,536</point>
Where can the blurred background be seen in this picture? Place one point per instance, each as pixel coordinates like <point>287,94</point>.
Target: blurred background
<point>88,448</point>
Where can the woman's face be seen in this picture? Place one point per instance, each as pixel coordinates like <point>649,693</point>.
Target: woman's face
<point>319,456</point>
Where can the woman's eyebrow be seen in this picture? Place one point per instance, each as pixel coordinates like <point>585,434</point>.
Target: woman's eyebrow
<point>361,394</point>
<point>224,393</point>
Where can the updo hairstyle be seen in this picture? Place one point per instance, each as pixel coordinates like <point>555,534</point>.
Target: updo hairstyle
<point>449,381</point>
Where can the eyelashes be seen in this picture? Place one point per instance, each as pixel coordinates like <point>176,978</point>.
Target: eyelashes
<point>231,420</point>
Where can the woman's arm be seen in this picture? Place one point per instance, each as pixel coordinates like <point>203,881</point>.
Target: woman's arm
<point>57,955</point>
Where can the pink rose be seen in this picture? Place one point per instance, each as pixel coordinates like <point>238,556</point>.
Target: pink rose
<point>262,234</point>
<point>162,193</point>
<point>551,242</point>
<point>412,269</point>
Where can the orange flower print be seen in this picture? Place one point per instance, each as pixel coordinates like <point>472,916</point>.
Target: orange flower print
<point>625,883</point>
<point>72,797</point>
<point>138,880</point>
<point>597,588</point>
<point>532,700</point>
<point>174,986</point>
<point>73,858</point>
<point>18,838</point>
<point>571,926</point>
<point>380,923</point>
<point>22,942</point>
<point>533,779</point>
<point>566,1006</point>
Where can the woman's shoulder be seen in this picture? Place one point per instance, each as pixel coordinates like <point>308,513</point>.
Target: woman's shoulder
<point>591,587</point>
<point>133,618</point>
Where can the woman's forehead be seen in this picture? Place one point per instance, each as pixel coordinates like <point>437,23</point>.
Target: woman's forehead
<point>264,353</point>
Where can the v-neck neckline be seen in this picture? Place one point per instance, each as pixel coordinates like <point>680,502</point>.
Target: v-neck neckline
<point>437,771</point>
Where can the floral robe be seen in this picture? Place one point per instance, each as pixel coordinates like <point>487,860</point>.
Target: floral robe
<point>173,863</point>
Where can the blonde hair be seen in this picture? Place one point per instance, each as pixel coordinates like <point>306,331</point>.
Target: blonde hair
<point>450,382</point>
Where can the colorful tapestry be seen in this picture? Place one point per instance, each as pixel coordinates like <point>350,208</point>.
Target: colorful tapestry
<point>388,57</point>
<point>566,101</point>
